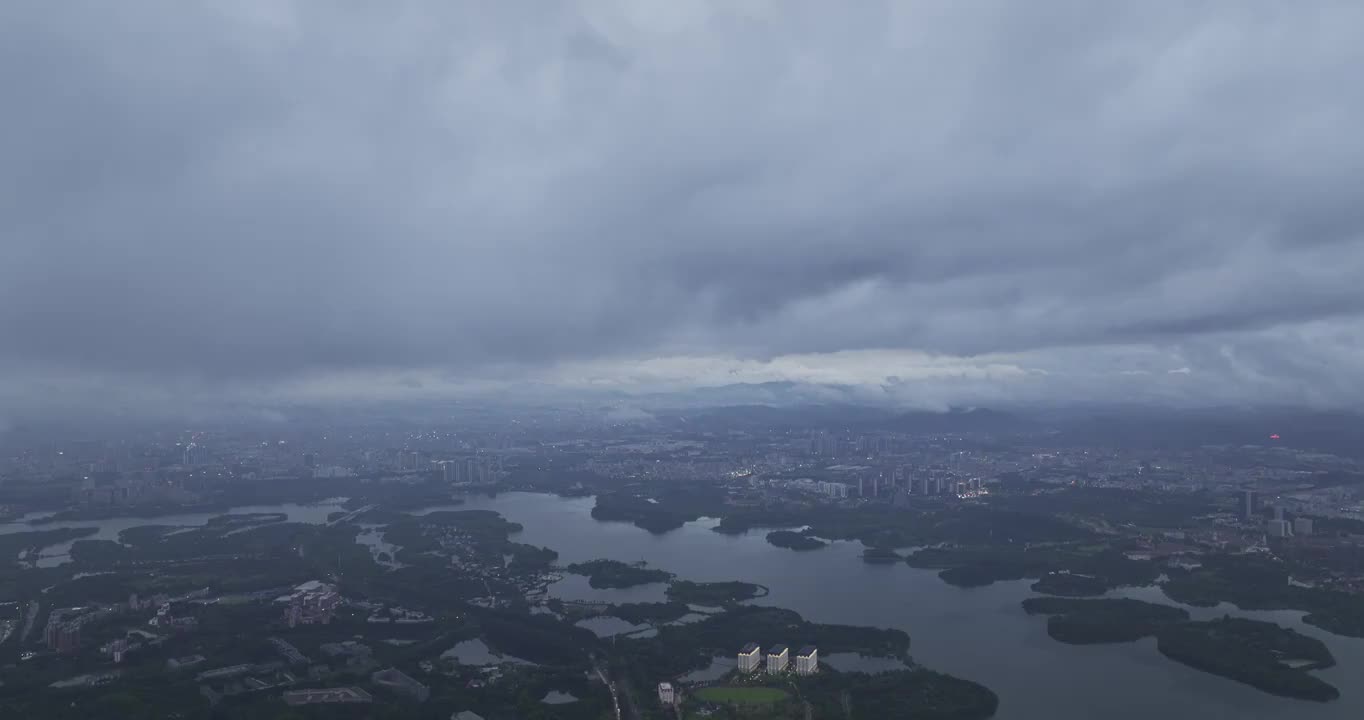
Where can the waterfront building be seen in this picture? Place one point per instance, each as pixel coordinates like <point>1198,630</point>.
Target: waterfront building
<point>750,658</point>
<point>777,659</point>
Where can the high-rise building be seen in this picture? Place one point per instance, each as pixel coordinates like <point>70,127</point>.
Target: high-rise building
<point>807,660</point>
<point>1250,504</point>
<point>1302,526</point>
<point>1279,528</point>
<point>750,658</point>
<point>468,471</point>
<point>408,460</point>
<point>778,656</point>
<point>63,637</point>
<point>665,693</point>
<point>54,626</point>
<point>312,605</point>
<point>900,498</point>
<point>823,445</point>
<point>832,489</point>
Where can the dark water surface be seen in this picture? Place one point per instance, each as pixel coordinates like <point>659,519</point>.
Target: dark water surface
<point>980,633</point>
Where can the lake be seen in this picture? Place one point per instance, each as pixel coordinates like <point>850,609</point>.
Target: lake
<point>978,633</point>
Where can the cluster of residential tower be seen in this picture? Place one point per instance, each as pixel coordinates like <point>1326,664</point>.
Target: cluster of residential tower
<point>778,659</point>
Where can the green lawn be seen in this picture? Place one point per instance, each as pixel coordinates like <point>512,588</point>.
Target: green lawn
<point>741,695</point>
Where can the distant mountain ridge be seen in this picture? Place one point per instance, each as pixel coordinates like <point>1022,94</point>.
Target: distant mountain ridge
<point>957,420</point>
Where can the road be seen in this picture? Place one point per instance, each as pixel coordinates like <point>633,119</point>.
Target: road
<point>615,696</point>
<point>628,692</point>
<point>350,516</point>
<point>33,608</point>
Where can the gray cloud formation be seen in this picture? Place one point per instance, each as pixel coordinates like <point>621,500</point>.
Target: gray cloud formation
<point>243,194</point>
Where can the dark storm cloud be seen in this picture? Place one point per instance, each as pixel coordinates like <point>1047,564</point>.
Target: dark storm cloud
<point>247,191</point>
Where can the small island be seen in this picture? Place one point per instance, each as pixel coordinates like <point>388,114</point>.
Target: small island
<point>603,574</point>
<point>32,541</point>
<point>1341,617</point>
<point>975,566</point>
<point>714,593</point>
<point>881,555</point>
<point>1070,585</point>
<point>915,693</point>
<point>794,540</point>
<point>1088,622</point>
<point>651,516</point>
<point>1262,584</point>
<point>237,520</point>
<point>1260,654</point>
<point>911,692</point>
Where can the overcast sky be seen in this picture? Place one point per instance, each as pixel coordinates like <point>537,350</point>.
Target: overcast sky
<point>944,202</point>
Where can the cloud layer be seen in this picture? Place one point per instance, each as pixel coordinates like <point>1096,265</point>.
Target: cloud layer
<point>252,196</point>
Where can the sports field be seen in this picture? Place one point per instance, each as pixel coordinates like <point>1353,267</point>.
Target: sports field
<point>741,695</point>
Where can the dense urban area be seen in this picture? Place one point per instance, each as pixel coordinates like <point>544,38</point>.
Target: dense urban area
<point>354,570</point>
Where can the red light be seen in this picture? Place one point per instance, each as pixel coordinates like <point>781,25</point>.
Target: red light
<point>1275,436</point>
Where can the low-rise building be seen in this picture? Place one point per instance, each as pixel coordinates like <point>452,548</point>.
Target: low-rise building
<point>807,660</point>
<point>318,696</point>
<point>401,683</point>
<point>666,695</point>
<point>778,657</point>
<point>187,661</point>
<point>223,673</point>
<point>289,652</point>
<point>750,658</point>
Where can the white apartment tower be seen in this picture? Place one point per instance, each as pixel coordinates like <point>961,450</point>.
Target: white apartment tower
<point>750,658</point>
<point>777,659</point>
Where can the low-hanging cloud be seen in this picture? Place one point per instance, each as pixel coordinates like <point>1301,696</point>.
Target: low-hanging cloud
<point>244,196</point>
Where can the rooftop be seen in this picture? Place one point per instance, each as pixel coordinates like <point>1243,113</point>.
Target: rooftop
<point>776,649</point>
<point>327,695</point>
<point>807,651</point>
<point>749,648</point>
<point>398,680</point>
